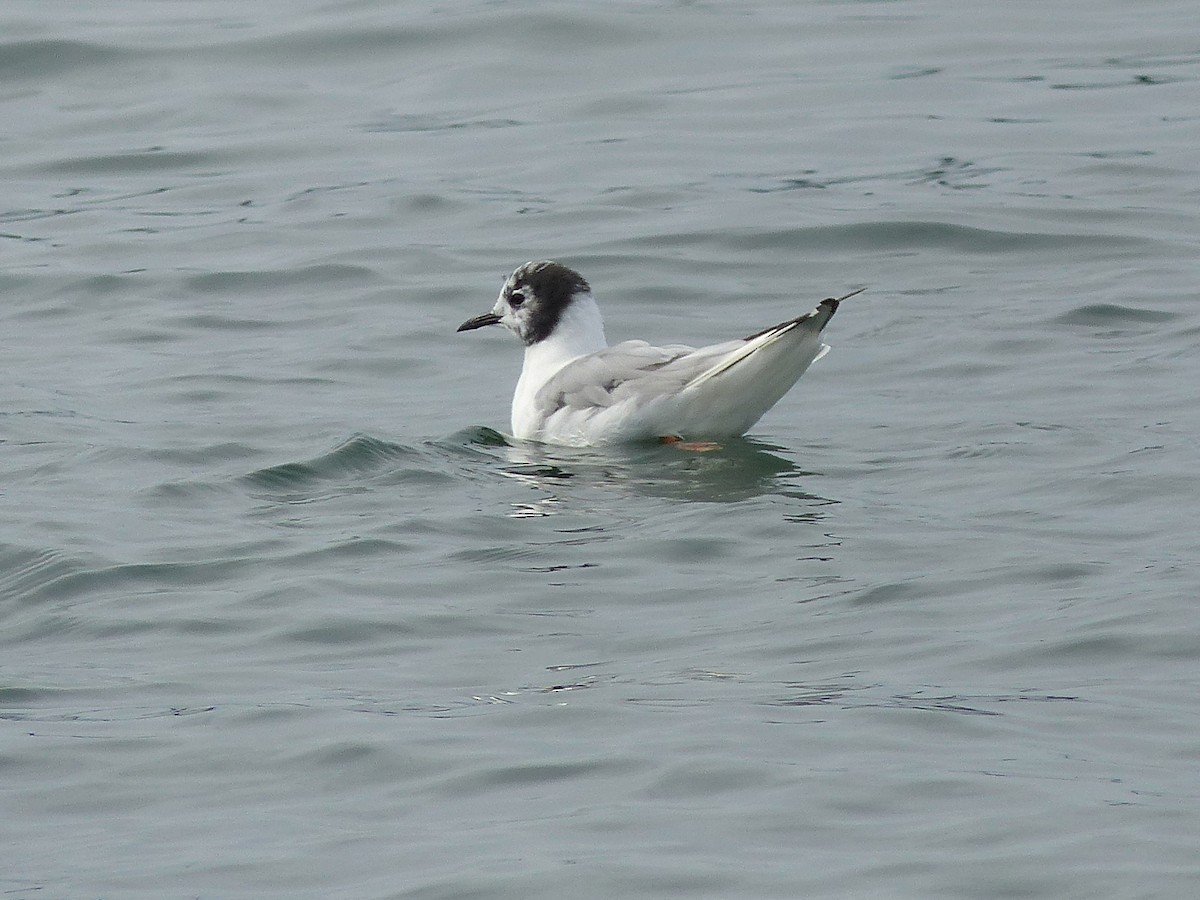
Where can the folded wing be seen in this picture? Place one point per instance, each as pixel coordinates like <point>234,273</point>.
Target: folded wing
<point>634,390</point>
<point>624,371</point>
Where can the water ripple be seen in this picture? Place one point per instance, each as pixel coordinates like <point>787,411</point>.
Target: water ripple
<point>37,59</point>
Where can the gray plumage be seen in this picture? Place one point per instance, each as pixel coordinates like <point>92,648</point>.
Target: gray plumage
<point>574,389</point>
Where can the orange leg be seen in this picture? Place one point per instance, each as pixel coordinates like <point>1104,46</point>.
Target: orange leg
<point>694,446</point>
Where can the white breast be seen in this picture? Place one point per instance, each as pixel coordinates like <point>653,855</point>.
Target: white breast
<point>580,331</point>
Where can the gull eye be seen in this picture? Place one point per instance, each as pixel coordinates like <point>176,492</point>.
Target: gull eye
<point>515,299</point>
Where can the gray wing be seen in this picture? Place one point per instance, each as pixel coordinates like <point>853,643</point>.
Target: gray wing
<point>628,369</point>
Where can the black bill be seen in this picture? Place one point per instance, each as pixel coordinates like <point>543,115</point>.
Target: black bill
<point>489,318</point>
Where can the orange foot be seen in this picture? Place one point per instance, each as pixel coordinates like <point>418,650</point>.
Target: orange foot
<point>694,446</point>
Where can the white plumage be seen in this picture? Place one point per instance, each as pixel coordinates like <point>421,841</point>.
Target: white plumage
<point>576,390</point>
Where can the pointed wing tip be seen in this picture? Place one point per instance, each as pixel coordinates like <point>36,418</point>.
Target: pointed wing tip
<point>832,303</point>
<point>829,303</point>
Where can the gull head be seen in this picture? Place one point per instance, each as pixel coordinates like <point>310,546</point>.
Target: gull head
<point>533,300</point>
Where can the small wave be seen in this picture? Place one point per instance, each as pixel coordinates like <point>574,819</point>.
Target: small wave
<point>30,60</point>
<point>361,455</point>
<point>150,159</point>
<point>257,281</point>
<point>476,436</point>
<point>1108,315</point>
<point>400,123</point>
<point>892,235</point>
<point>26,572</point>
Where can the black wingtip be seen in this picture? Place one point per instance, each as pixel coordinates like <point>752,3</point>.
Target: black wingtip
<point>831,303</point>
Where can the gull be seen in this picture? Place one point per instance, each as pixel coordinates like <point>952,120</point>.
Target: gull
<point>576,390</point>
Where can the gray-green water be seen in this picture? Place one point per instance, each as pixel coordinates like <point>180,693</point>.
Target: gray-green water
<point>282,616</point>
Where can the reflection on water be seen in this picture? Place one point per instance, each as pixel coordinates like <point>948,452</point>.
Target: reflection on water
<point>738,469</point>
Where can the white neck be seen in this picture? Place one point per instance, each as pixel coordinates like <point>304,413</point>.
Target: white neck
<point>580,331</point>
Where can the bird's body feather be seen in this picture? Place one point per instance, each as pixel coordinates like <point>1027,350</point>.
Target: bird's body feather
<point>576,390</point>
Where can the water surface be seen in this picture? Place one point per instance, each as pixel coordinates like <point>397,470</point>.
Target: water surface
<point>284,613</point>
